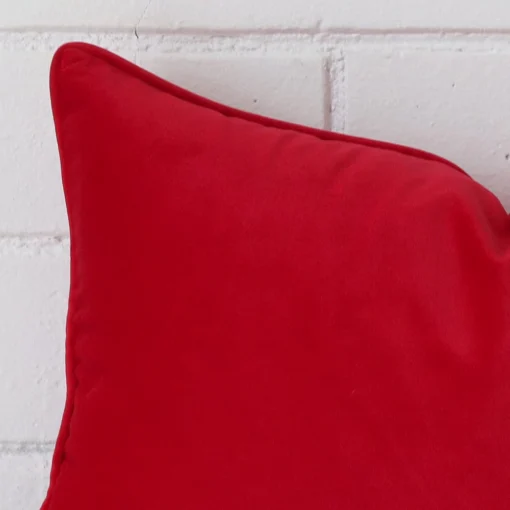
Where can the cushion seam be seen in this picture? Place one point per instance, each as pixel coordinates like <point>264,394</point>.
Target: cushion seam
<point>228,111</point>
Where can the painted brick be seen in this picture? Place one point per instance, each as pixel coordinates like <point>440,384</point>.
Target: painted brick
<point>303,14</point>
<point>71,13</point>
<point>23,480</point>
<point>288,88</point>
<point>31,197</point>
<point>453,104</point>
<point>33,301</point>
<point>266,14</point>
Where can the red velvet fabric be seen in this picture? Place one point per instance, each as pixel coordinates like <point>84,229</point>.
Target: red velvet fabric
<point>264,316</point>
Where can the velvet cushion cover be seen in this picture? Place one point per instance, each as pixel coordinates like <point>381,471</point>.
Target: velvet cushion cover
<point>264,316</point>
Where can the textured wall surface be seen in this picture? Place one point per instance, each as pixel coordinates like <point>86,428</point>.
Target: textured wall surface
<point>429,73</point>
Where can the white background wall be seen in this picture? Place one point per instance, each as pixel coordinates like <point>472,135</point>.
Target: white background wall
<point>429,73</point>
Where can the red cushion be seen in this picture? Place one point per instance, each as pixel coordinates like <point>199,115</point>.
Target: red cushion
<point>265,316</point>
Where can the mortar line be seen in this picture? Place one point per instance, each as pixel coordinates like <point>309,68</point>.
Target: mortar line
<point>339,94</point>
<point>317,29</point>
<point>34,236</point>
<point>328,93</point>
<point>292,43</point>
<point>26,447</point>
<point>34,245</point>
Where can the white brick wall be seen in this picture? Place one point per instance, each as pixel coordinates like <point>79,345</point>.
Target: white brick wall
<point>430,73</point>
